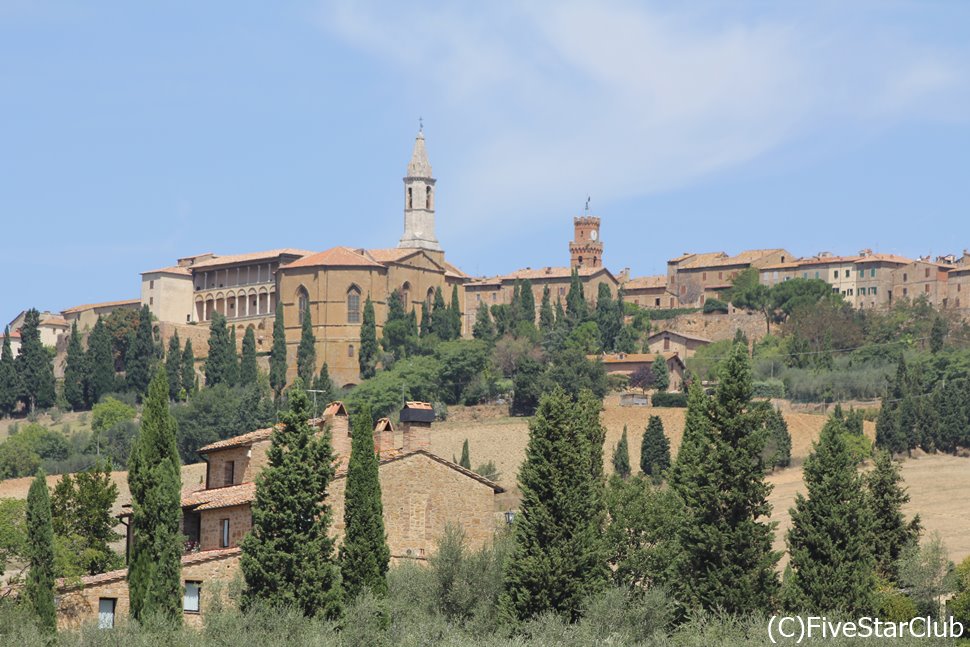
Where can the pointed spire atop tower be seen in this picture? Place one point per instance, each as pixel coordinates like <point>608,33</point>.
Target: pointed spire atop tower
<point>419,199</point>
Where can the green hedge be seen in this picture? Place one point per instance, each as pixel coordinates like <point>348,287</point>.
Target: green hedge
<point>769,389</point>
<point>665,399</point>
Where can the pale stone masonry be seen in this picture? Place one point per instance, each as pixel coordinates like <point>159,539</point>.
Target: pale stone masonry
<point>421,494</point>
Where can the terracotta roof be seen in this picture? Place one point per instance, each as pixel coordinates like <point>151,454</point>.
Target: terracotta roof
<point>679,334</point>
<point>453,271</point>
<point>541,273</point>
<point>814,260</point>
<point>14,334</point>
<point>120,574</point>
<point>390,457</point>
<point>105,304</point>
<point>390,255</point>
<point>238,441</point>
<point>222,497</point>
<point>336,256</point>
<point>174,269</point>
<point>642,282</point>
<point>232,259</point>
<point>384,424</point>
<point>695,259</point>
<point>633,358</point>
<point>721,259</point>
<point>55,321</point>
<point>419,405</point>
<point>334,408</point>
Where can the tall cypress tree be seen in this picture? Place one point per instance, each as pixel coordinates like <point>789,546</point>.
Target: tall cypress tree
<point>9,381</point>
<point>425,326</point>
<point>39,591</point>
<point>831,536</point>
<point>101,363</point>
<point>440,317</point>
<point>576,309</point>
<point>188,368</point>
<point>288,557</point>
<point>75,370</point>
<point>399,332</point>
<point>515,305</point>
<point>248,371</point>
<point>527,303</point>
<point>777,452</point>
<point>367,355</point>
<point>364,556</point>
<point>465,460</point>
<point>484,329</point>
<point>892,534</point>
<point>661,374</point>
<point>654,449</point>
<point>233,364</point>
<point>547,318</point>
<point>454,314</point>
<point>720,477</point>
<point>173,367</point>
<point>154,478</point>
<point>140,359</point>
<point>588,408</point>
<point>218,363</point>
<point>606,319</point>
<point>558,558</point>
<point>35,365</point>
<point>277,356</point>
<point>889,432</point>
<point>621,456</point>
<point>325,387</point>
<point>306,352</point>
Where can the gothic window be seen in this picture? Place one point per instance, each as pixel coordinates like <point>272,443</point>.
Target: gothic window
<point>353,304</point>
<point>409,197</point>
<point>427,199</point>
<point>302,301</point>
<point>406,294</point>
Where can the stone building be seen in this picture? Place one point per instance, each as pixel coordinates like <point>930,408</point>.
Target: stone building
<point>630,363</point>
<point>922,279</point>
<point>87,315</point>
<point>958,287</point>
<point>694,278</point>
<point>864,280</point>
<point>647,291</point>
<point>586,259</point>
<point>51,327</point>
<point>421,494</point>
<point>671,341</point>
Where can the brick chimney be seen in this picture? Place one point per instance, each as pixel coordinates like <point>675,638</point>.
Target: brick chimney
<point>416,419</point>
<point>335,415</point>
<point>384,437</point>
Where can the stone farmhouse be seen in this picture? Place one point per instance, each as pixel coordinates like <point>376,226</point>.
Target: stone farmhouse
<point>87,315</point>
<point>630,363</point>
<point>421,493</point>
<point>671,341</point>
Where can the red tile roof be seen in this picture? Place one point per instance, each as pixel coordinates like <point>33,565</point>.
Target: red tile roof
<point>336,257</point>
<point>679,334</point>
<point>222,497</point>
<point>238,441</point>
<point>232,259</point>
<point>539,274</point>
<point>105,304</point>
<point>174,269</point>
<point>633,358</point>
<point>334,408</point>
<point>642,282</point>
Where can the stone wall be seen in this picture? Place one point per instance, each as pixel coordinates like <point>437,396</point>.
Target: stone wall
<point>210,529</point>
<point>715,326</point>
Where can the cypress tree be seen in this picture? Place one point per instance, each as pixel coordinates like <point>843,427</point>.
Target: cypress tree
<point>35,365</point>
<point>233,362</point>
<point>9,382</point>
<point>831,537</point>
<point>661,374</point>
<point>576,309</point>
<point>188,368</point>
<point>606,320</point>
<point>173,367</point>
<point>306,352</point>
<point>527,303</point>
<point>892,534</point>
<point>454,312</point>
<point>39,590</point>
<point>588,408</point>
<point>154,478</point>
<point>324,386</point>
<point>626,341</point>
<point>953,409</point>
<point>726,560</point>
<point>288,556</point>
<point>484,329</point>
<point>140,359</point>
<point>889,432</point>
<point>399,329</point>
<point>248,372</point>
<point>777,451</point>
<point>621,456</point>
<point>101,363</point>
<point>277,356</point>
<point>465,460</point>
<point>560,314</point>
<point>75,370</point>
<point>364,556</point>
<point>654,449</point>
<point>425,327</point>
<point>367,355</point>
<point>547,318</point>
<point>222,355</point>
<point>440,317</point>
<point>558,558</point>
<point>515,305</point>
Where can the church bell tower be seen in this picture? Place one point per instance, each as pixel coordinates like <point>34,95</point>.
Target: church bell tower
<point>419,201</point>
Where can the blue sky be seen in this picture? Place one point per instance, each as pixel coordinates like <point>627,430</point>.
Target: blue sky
<point>134,133</point>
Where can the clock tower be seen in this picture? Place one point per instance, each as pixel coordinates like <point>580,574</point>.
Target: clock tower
<point>586,248</point>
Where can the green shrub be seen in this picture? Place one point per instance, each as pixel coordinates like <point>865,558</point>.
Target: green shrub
<point>769,389</point>
<point>715,306</point>
<point>665,399</point>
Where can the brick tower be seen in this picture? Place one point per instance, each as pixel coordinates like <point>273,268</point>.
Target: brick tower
<point>586,248</point>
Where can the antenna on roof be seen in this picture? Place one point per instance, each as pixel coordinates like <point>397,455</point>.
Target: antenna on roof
<point>587,205</point>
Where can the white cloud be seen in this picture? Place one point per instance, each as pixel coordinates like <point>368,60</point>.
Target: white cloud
<point>556,99</point>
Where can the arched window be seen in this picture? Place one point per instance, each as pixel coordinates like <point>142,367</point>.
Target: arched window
<point>409,198</point>
<point>406,294</point>
<point>430,298</point>
<point>427,198</point>
<point>302,302</point>
<point>350,350</point>
<point>580,260</point>
<point>353,304</point>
